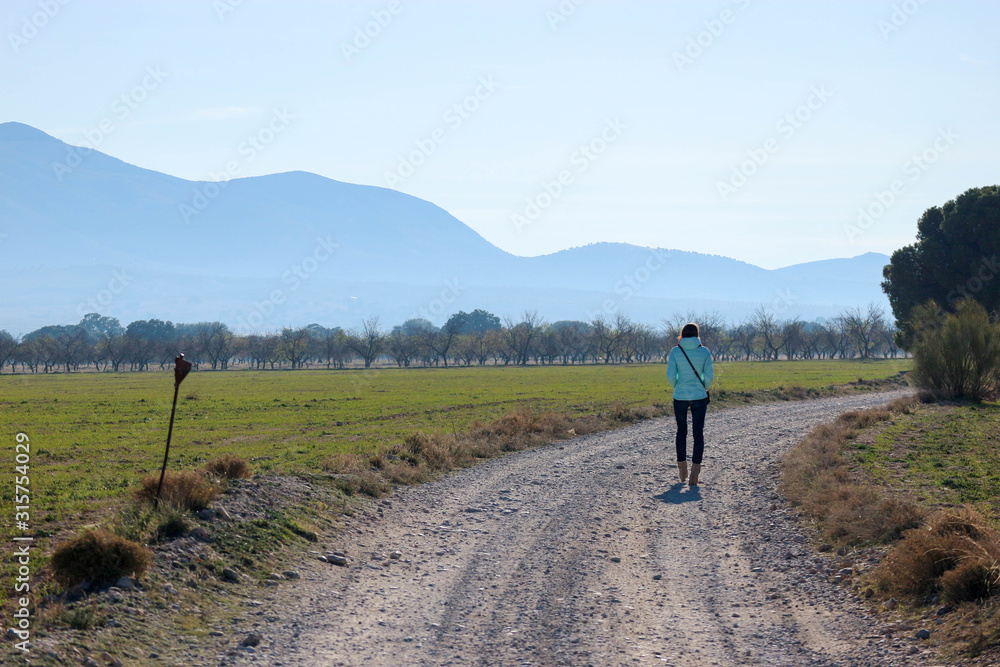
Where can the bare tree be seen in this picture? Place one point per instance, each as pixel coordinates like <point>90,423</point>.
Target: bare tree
<point>262,349</point>
<point>8,346</point>
<point>770,332</point>
<point>520,335</point>
<point>439,341</point>
<point>69,345</point>
<point>401,347</point>
<point>745,337</point>
<point>295,346</point>
<point>606,336</point>
<point>215,341</point>
<point>114,348</point>
<point>333,343</point>
<point>369,341</point>
<point>792,338</point>
<point>865,327</point>
<point>571,340</point>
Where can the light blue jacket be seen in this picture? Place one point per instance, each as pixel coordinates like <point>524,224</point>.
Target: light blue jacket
<point>682,378</point>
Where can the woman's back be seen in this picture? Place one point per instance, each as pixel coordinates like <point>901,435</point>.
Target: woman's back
<point>687,386</point>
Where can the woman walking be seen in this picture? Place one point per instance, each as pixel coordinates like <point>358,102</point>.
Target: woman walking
<point>689,371</point>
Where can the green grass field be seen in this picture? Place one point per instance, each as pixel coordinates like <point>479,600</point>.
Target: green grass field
<point>93,436</point>
<point>944,455</point>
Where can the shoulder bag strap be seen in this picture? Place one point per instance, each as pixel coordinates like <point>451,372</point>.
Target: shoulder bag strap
<point>692,367</point>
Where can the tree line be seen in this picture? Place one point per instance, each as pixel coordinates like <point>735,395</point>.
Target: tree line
<point>478,338</point>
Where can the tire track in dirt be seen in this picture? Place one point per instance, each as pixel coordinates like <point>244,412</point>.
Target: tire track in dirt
<point>588,553</point>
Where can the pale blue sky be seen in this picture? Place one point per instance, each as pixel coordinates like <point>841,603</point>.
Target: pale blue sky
<point>886,81</point>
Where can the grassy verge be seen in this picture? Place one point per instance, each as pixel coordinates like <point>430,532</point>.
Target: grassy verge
<point>921,484</point>
<point>943,456</point>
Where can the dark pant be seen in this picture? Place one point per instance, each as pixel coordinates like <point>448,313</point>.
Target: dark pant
<point>698,410</point>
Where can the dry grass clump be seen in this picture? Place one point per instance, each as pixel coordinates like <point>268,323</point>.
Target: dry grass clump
<point>99,557</point>
<point>435,452</point>
<point>523,427</point>
<point>187,490</point>
<point>343,464</point>
<point>368,483</point>
<point>423,455</point>
<point>229,466</point>
<point>795,393</point>
<point>816,476</point>
<point>957,554</point>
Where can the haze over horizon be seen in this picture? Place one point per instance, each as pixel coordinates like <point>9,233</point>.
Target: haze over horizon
<point>295,248</point>
<point>752,130</point>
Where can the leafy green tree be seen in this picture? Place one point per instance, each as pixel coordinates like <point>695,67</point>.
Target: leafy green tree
<point>99,326</point>
<point>956,256</point>
<point>477,322</point>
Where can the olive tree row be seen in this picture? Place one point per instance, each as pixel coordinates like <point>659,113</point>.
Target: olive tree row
<point>465,339</point>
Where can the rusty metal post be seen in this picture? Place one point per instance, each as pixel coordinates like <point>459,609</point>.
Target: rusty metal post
<point>181,368</point>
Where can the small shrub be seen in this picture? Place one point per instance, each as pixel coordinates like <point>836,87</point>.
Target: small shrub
<point>904,406</point>
<point>620,412</point>
<point>99,557</point>
<point>971,579</point>
<point>927,396</point>
<point>187,490</point>
<point>81,617</point>
<point>958,356</point>
<point>173,523</point>
<point>434,451</point>
<point>860,420</point>
<point>229,466</point>
<point>796,393</point>
<point>343,464</point>
<point>366,483</point>
<point>957,554</point>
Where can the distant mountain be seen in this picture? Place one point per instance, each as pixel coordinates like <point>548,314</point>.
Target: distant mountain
<point>81,231</point>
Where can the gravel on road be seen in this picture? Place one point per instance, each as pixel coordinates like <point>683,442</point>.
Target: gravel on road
<point>588,552</point>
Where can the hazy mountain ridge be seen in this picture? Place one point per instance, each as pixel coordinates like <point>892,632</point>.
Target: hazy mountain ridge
<point>296,247</point>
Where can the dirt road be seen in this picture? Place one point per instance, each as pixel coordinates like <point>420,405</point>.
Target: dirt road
<point>587,552</point>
